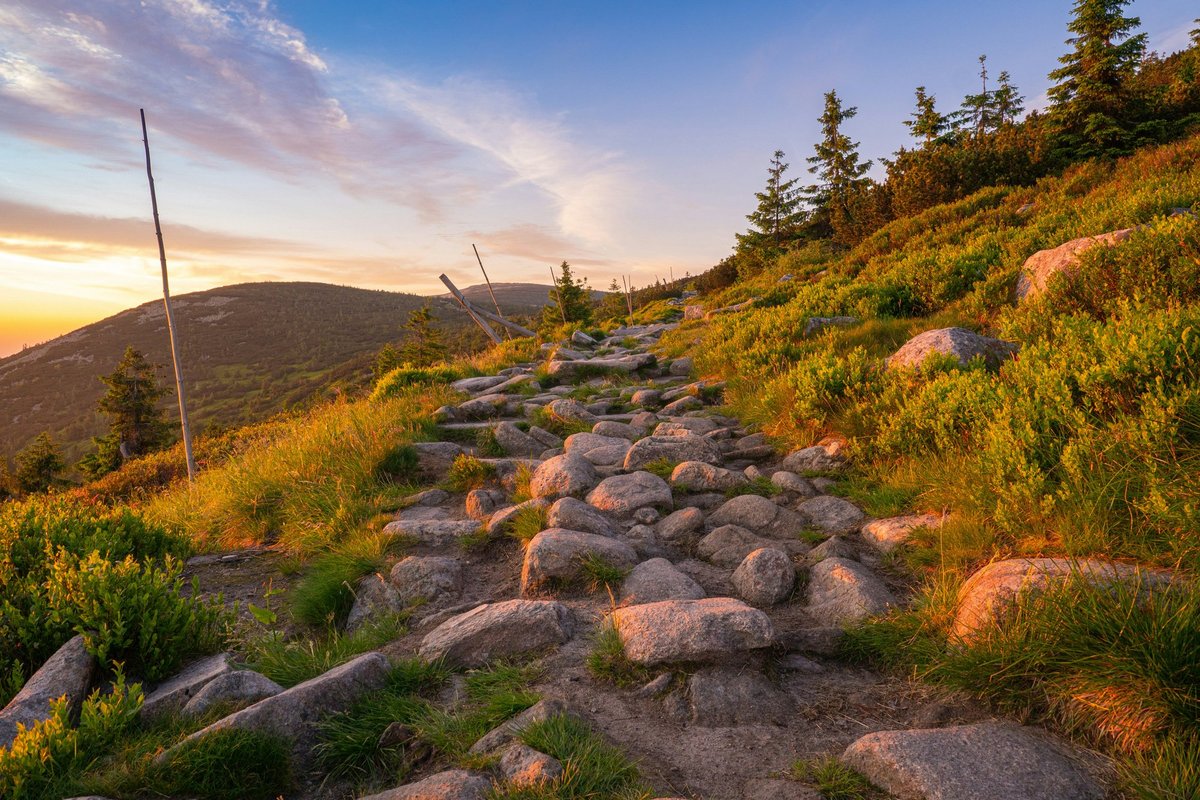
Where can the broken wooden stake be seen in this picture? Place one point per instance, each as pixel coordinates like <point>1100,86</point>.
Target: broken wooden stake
<point>488,280</point>
<point>480,315</point>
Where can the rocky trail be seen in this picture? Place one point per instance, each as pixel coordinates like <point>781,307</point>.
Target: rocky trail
<point>726,571</point>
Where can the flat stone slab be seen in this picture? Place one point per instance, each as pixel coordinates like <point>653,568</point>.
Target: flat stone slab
<point>760,515</point>
<point>498,630</point>
<point>433,532</point>
<point>623,494</point>
<point>291,714</point>
<point>984,761</point>
<point>175,692</point>
<point>66,673</point>
<point>691,630</point>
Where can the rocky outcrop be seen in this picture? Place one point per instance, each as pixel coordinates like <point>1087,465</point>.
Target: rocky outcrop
<point>984,761</point>
<point>959,343</point>
<point>427,578</point>
<point>1043,265</point>
<point>830,514</point>
<point>760,515</point>
<point>67,673</point>
<point>691,630</point>
<point>728,545</point>
<point>699,476</point>
<point>559,556</point>
<point>498,630</point>
<point>987,596</point>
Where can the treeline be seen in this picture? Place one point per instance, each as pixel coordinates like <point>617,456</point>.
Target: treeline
<point>1110,97</point>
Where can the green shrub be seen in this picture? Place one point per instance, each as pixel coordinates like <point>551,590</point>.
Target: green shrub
<point>834,780</point>
<point>485,442</point>
<point>467,473</point>
<point>398,465</point>
<point>398,381</point>
<point>134,612</point>
<point>662,467</point>
<point>325,595</point>
<point>608,661</point>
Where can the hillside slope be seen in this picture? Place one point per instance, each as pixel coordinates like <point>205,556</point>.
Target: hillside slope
<point>249,350</point>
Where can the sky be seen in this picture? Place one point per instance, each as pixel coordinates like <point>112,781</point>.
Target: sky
<point>371,143</point>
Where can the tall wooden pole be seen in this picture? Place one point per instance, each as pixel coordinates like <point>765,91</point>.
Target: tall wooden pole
<point>488,280</point>
<point>162,260</point>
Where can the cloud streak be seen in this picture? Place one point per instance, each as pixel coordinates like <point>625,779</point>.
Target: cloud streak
<point>235,83</point>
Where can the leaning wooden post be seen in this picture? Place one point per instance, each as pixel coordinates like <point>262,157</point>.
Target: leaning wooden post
<point>488,280</point>
<point>470,309</point>
<point>162,260</point>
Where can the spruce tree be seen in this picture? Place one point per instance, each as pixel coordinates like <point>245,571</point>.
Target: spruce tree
<point>778,213</point>
<point>976,112</point>
<point>38,464</point>
<point>842,182</point>
<point>136,423</point>
<point>1007,102</point>
<point>1090,98</point>
<point>926,123</point>
<point>424,345</point>
<point>572,300</point>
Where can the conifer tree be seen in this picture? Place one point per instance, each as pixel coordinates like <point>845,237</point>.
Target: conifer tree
<point>778,213</point>
<point>1007,102</point>
<point>572,300</point>
<point>424,345</point>
<point>1089,95</point>
<point>38,464</point>
<point>926,123</point>
<point>841,175</point>
<point>136,423</point>
<point>386,360</point>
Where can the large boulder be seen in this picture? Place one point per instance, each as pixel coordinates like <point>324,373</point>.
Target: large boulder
<point>698,476</point>
<point>516,442</point>
<point>583,443</point>
<point>558,555</point>
<point>455,784</point>
<point>239,686</point>
<point>67,673</point>
<point>427,578</point>
<point>485,407</point>
<point>1040,267</point>
<point>292,714</point>
<point>988,595</point>
<point>960,343</point>
<point>728,545</point>
<point>623,494</point>
<point>175,692</point>
<point>765,577</point>
<point>985,761</point>
<point>565,409</point>
<point>841,591</point>
<point>691,630</point>
<point>685,447</point>
<point>759,514</point>
<point>618,430</point>
<point>568,475</point>
<point>830,514</point>
<point>576,515</point>
<point>656,580</point>
<point>498,630</point>
<point>818,458</point>
<point>885,535</point>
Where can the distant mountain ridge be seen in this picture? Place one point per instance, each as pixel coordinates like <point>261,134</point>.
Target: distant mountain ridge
<point>249,350</point>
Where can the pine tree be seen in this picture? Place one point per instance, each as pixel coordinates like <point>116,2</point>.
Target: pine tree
<point>572,299</point>
<point>1089,96</point>
<point>977,112</point>
<point>842,185</point>
<point>778,213</point>
<point>38,464</point>
<point>1007,102</point>
<point>136,423</point>
<point>386,360</point>
<point>424,345</point>
<point>926,123</point>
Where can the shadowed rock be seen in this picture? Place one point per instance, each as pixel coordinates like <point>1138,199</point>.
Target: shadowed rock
<point>175,692</point>
<point>498,630</point>
<point>239,686</point>
<point>685,447</point>
<point>562,476</point>
<point>960,343</point>
<point>691,630</point>
<point>67,673</point>
<point>455,784</point>
<point>623,494</point>
<point>655,580</point>
<point>559,555</point>
<point>757,513</point>
<point>765,577</point>
<point>841,591</point>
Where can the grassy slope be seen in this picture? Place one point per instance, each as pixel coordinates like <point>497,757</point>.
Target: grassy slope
<point>1086,444</point>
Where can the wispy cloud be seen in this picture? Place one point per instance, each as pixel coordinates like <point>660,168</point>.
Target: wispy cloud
<point>232,81</point>
<point>534,243</point>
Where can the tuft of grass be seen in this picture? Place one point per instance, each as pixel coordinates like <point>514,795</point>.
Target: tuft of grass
<point>608,661</point>
<point>662,467</point>
<point>1168,771</point>
<point>877,499</point>
<point>812,535</point>
<point>485,441</point>
<point>325,595</point>
<point>542,418</point>
<point>292,661</point>
<point>521,484</point>
<point>352,743</point>
<point>761,486</point>
<point>398,465</point>
<point>601,574</point>
<point>592,768</point>
<point>834,780</point>
<point>528,523</point>
<point>248,765</point>
<point>467,473</point>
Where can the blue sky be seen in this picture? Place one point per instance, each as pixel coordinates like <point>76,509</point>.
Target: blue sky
<point>370,143</point>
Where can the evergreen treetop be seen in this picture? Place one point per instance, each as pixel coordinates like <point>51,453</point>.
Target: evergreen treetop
<point>778,213</point>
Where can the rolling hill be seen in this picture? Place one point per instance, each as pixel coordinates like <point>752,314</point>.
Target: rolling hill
<point>249,350</point>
